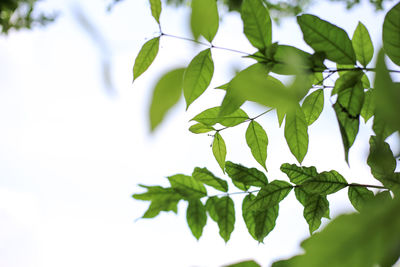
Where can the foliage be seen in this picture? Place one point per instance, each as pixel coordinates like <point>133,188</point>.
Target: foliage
<point>348,239</point>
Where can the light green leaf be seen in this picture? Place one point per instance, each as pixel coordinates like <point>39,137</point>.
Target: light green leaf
<point>325,183</point>
<point>303,196</point>
<point>298,175</point>
<point>146,56</point>
<point>259,223</point>
<point>359,196</point>
<point>200,128</point>
<point>362,45</point>
<point>155,9</point>
<point>244,175</point>
<point>234,118</point>
<point>368,108</point>
<point>257,23</point>
<point>325,37</point>
<point>270,195</point>
<point>296,133</point>
<point>219,150</point>
<point>391,34</point>
<point>166,94</point>
<point>208,178</point>
<point>289,60</point>
<point>187,186</point>
<point>211,204</point>
<point>197,76</point>
<point>226,217</point>
<point>257,140</point>
<point>315,208</point>
<point>204,19</point>
<point>249,263</point>
<point>381,127</point>
<point>313,105</point>
<point>196,217</point>
<point>380,158</point>
<point>212,116</point>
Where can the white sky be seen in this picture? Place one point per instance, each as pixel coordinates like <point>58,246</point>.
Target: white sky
<point>71,154</point>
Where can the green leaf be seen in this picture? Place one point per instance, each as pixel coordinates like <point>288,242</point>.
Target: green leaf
<point>380,158</point>
<point>392,182</point>
<point>155,9</point>
<point>325,183</point>
<point>257,140</point>
<point>381,127</point>
<point>259,223</point>
<point>146,56</point>
<point>204,19</point>
<point>197,76</point>
<point>281,113</point>
<point>226,216</point>
<point>368,108</point>
<point>200,128</point>
<point>212,116</point>
<point>348,79</point>
<point>313,105</point>
<point>244,175</point>
<point>257,23</point>
<point>298,175</point>
<point>211,204</point>
<point>166,94</point>
<point>249,263</point>
<point>187,186</point>
<point>314,209</point>
<point>359,196</point>
<point>351,99</point>
<point>303,196</point>
<point>208,178</point>
<point>270,195</point>
<point>391,34</point>
<point>362,45</point>
<point>296,134</point>
<point>196,217</point>
<point>325,37</point>
<point>289,60</point>
<point>219,150</point>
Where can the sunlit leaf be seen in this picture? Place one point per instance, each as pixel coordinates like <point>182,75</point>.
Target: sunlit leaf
<point>226,216</point>
<point>197,76</point>
<point>298,174</point>
<point>313,105</point>
<point>219,150</point>
<point>368,108</point>
<point>359,196</point>
<point>325,183</point>
<point>155,9</point>
<point>234,118</point>
<point>257,140</point>
<point>166,94</point>
<point>325,37</point>
<point>296,133</point>
<point>146,56</point>
<point>196,217</point>
<point>208,178</point>
<point>200,128</point>
<point>270,195</point>
<point>244,175</point>
<point>256,23</point>
<point>187,186</point>
<point>212,116</point>
<point>204,19</point>
<point>249,263</point>
<point>391,34</point>
<point>362,45</point>
<point>288,60</point>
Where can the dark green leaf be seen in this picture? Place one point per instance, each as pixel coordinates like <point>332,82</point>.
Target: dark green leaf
<point>381,127</point>
<point>219,150</point>
<point>197,76</point>
<point>257,140</point>
<point>212,116</point>
<point>296,134</point>
<point>208,178</point>
<point>368,108</point>
<point>248,263</point>
<point>359,196</point>
<point>259,223</point>
<point>226,216</point>
<point>211,208</point>
<point>270,195</point>
<point>391,34</point>
<point>315,208</point>
<point>187,186</point>
<point>166,94</point>
<point>155,9</point>
<point>348,79</point>
<point>325,183</point>
<point>145,57</point>
<point>351,100</point>
<point>204,19</point>
<point>244,175</point>
<point>392,182</point>
<point>362,45</point>
<point>201,128</point>
<point>256,23</point>
<point>298,175</point>
<point>313,105</point>
<point>380,159</point>
<point>196,217</point>
<point>325,37</point>
<point>302,196</point>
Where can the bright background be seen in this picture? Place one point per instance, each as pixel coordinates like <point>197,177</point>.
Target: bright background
<point>75,141</point>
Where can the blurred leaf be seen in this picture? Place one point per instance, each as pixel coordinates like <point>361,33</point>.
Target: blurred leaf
<point>244,175</point>
<point>289,60</point>
<point>380,158</point>
<point>201,128</point>
<point>257,140</point>
<point>298,174</point>
<point>325,183</point>
<point>362,45</point>
<point>204,19</point>
<point>219,150</point>
<point>315,208</point>
<point>226,216</point>
<point>166,94</point>
<point>187,186</point>
<point>197,76</point>
<point>359,196</point>
<point>368,108</point>
<point>248,263</point>
<point>146,56</point>
<point>208,178</point>
<point>381,127</point>
<point>391,34</point>
<point>196,217</point>
<point>325,37</point>
<point>270,195</point>
<point>155,9</point>
<point>313,105</point>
